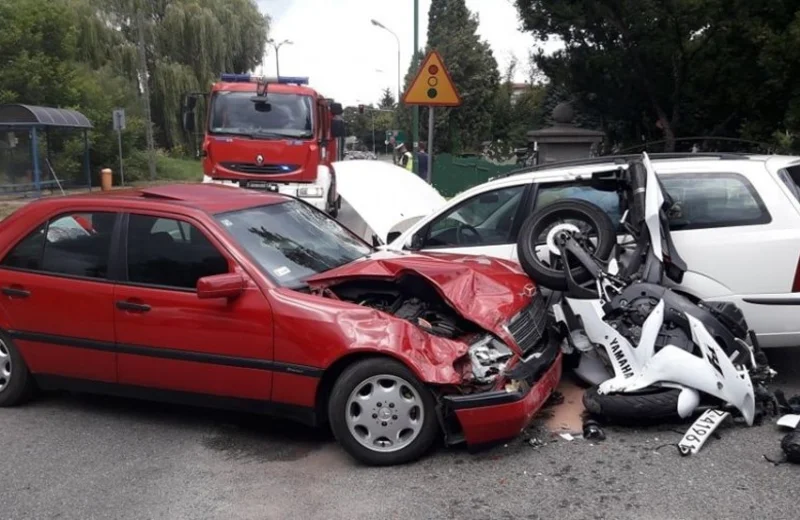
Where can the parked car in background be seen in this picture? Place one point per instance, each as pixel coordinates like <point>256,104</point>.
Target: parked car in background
<point>222,296</point>
<point>736,222</point>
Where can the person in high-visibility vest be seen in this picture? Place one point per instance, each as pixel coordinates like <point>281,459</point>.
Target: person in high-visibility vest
<point>406,157</point>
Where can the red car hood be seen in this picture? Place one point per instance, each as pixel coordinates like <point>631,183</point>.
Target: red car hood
<point>486,291</point>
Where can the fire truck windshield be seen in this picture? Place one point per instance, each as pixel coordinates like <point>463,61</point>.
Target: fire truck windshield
<point>288,115</point>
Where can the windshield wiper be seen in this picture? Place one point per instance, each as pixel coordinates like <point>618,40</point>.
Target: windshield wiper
<point>279,135</point>
<point>267,135</point>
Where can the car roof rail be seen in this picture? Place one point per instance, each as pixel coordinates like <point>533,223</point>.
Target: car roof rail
<point>623,159</point>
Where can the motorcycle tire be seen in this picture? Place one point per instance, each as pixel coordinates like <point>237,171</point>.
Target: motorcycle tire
<point>536,223</point>
<point>647,404</point>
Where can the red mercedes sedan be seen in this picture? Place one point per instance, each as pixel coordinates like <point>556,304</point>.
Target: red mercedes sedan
<point>219,296</point>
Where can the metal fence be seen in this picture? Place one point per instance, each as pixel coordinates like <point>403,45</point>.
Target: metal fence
<point>453,174</point>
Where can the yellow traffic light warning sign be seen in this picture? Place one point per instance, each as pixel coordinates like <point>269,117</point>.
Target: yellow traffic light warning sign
<point>432,86</point>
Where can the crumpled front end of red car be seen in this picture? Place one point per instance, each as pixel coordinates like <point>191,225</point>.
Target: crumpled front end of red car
<point>474,329</point>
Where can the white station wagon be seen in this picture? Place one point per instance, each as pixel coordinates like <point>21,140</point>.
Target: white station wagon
<point>737,223</point>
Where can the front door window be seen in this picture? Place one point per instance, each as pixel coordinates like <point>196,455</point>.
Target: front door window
<point>488,219</point>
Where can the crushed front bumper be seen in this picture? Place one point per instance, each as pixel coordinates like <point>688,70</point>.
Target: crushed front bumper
<point>500,415</point>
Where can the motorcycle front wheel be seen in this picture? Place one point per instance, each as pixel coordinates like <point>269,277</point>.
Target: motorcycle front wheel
<point>584,219</point>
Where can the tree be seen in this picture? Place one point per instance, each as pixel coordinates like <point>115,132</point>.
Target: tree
<point>38,45</point>
<point>187,43</point>
<point>674,67</point>
<point>387,99</point>
<point>452,31</point>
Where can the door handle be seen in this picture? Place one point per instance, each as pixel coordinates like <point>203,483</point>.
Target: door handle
<point>16,292</point>
<point>132,307</point>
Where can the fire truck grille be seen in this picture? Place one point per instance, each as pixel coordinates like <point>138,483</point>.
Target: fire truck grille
<point>263,169</point>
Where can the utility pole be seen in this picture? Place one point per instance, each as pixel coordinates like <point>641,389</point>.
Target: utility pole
<point>415,110</point>
<point>144,78</point>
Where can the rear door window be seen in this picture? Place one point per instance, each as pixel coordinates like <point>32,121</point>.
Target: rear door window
<point>74,244</point>
<point>706,200</point>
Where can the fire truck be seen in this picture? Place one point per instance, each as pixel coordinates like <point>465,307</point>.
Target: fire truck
<point>275,134</point>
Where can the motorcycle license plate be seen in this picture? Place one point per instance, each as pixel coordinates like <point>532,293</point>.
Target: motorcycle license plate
<point>701,430</point>
<point>261,185</point>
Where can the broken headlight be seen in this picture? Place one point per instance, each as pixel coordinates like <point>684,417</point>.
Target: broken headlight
<point>488,356</point>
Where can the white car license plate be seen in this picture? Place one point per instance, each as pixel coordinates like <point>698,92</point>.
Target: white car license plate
<point>701,430</point>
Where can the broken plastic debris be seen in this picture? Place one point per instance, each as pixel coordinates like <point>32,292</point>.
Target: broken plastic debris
<point>536,443</point>
<point>566,436</point>
<point>791,447</point>
<point>789,421</point>
<point>593,431</point>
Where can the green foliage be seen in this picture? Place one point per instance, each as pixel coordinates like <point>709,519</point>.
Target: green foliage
<point>647,69</point>
<point>387,99</point>
<point>82,54</point>
<point>452,31</point>
<point>167,168</point>
<point>37,47</point>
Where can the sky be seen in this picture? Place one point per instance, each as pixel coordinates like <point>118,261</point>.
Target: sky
<point>352,61</point>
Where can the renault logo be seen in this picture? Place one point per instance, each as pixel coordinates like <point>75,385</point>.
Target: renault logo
<point>259,160</point>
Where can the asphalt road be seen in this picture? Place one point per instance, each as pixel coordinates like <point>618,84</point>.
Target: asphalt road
<point>86,457</point>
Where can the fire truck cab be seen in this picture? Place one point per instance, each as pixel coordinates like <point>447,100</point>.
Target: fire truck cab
<point>273,134</point>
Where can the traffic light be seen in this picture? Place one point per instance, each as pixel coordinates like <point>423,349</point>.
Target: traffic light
<point>432,81</point>
<point>360,109</point>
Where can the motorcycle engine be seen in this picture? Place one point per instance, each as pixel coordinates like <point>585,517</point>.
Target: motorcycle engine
<point>630,322</point>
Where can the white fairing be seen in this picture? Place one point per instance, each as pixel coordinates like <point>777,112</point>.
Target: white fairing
<point>653,200</point>
<point>713,373</point>
<point>379,197</point>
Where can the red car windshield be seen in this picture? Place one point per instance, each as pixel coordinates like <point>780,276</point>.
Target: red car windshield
<point>292,241</point>
<point>284,115</point>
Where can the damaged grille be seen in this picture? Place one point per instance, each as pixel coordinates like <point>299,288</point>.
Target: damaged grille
<point>528,327</point>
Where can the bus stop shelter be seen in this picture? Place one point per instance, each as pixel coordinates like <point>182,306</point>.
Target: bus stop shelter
<point>38,121</point>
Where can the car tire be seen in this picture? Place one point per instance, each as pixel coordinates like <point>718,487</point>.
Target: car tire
<point>356,414</point>
<point>16,382</point>
<point>537,222</point>
<point>647,404</point>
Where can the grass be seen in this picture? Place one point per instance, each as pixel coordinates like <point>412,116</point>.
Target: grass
<point>168,169</point>
<point>186,170</point>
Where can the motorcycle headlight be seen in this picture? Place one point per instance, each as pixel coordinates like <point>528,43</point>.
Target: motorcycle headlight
<point>489,356</point>
<point>310,191</point>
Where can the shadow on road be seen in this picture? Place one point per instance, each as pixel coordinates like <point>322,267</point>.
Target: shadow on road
<point>235,435</point>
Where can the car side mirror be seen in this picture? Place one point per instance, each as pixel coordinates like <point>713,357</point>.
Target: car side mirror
<point>392,236</point>
<point>417,240</point>
<point>337,128</point>
<point>228,285</point>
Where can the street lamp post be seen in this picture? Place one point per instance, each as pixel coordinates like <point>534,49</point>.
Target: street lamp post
<point>277,46</point>
<point>376,23</point>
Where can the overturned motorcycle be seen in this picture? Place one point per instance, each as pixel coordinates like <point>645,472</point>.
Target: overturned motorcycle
<point>650,351</point>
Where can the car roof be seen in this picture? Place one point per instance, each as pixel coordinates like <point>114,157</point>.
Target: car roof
<point>209,198</point>
<point>671,162</point>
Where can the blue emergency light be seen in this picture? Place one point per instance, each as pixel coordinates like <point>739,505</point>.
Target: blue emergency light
<point>247,78</point>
